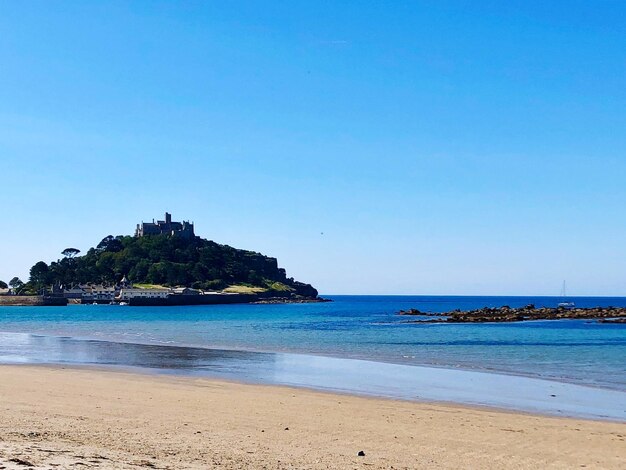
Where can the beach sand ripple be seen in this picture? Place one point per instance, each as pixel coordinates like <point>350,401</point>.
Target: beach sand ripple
<point>54,417</point>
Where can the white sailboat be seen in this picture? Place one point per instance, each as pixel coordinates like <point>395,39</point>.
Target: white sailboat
<point>564,303</point>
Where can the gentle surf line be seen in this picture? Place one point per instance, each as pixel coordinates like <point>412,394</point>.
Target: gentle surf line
<point>353,376</point>
<point>135,339</point>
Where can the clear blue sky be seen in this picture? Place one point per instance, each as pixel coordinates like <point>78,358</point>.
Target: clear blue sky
<point>441,147</point>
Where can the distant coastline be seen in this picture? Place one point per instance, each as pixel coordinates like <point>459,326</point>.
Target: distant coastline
<point>173,300</point>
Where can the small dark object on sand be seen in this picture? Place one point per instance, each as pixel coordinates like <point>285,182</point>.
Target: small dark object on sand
<point>26,463</point>
<point>361,454</point>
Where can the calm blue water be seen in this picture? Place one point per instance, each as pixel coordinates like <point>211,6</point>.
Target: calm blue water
<point>361,327</point>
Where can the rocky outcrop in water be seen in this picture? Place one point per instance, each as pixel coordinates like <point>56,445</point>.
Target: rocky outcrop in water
<point>529,312</point>
<point>291,300</point>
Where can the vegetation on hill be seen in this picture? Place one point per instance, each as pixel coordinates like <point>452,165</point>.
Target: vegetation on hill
<point>167,260</point>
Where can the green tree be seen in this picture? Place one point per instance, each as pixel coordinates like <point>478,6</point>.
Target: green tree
<point>16,284</point>
<point>70,252</point>
<point>3,285</point>
<point>110,243</point>
<point>39,275</point>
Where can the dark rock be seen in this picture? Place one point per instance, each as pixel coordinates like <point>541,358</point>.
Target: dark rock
<point>411,311</point>
<point>361,454</point>
<point>305,290</point>
<point>294,299</point>
<point>529,312</point>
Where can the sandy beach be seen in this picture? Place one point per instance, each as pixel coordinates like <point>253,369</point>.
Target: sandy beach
<point>55,417</point>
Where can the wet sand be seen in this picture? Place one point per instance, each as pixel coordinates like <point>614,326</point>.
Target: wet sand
<point>60,417</point>
<point>331,374</point>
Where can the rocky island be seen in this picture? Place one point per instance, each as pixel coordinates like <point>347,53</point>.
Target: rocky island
<point>164,263</point>
<point>526,313</point>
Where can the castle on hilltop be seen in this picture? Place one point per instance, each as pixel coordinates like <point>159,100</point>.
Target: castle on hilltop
<point>183,229</point>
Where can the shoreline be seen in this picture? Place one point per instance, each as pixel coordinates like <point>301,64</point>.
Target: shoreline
<point>175,301</point>
<point>413,383</point>
<point>82,415</point>
<point>311,354</point>
<point>172,375</point>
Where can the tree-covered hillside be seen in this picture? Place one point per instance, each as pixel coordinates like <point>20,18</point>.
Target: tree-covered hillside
<point>166,260</point>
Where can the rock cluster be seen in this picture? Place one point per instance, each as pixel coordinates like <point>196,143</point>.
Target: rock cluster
<point>529,312</point>
<point>291,300</point>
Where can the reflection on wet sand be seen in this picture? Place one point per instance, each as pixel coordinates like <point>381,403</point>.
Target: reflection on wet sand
<point>324,373</point>
<point>28,348</point>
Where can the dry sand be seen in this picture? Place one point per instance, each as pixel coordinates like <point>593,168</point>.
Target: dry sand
<point>53,417</point>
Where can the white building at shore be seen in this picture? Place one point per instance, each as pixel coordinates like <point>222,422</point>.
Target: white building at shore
<point>135,293</point>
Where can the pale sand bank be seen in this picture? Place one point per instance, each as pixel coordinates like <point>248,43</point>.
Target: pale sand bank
<point>75,418</point>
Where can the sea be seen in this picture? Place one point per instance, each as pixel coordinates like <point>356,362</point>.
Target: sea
<point>354,344</point>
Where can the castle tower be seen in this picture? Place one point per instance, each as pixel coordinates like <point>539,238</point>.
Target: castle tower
<point>165,227</point>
